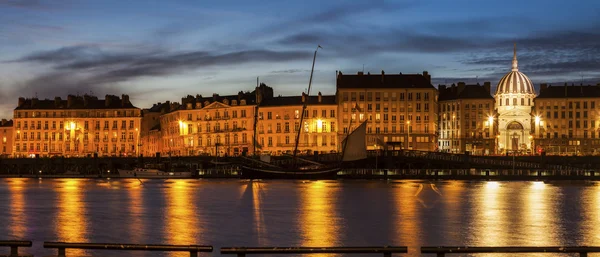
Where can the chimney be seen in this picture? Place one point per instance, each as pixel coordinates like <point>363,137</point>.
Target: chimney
<point>4,121</point>
<point>427,76</point>
<point>360,73</point>
<point>34,102</point>
<point>543,87</point>
<point>107,100</point>
<point>86,100</point>
<point>319,96</point>
<point>70,100</point>
<point>382,76</point>
<point>215,96</point>
<point>124,100</point>
<point>57,102</point>
<point>303,97</point>
<point>21,101</point>
<point>441,88</point>
<point>461,86</point>
<point>487,86</point>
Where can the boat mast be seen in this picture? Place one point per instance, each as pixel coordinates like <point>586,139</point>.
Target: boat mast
<point>255,118</point>
<point>304,107</point>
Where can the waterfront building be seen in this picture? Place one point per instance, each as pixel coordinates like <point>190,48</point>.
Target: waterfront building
<point>514,99</point>
<point>151,137</point>
<point>217,125</point>
<point>466,119</point>
<point>401,109</point>
<point>566,120</point>
<point>6,138</point>
<point>279,122</point>
<point>77,127</point>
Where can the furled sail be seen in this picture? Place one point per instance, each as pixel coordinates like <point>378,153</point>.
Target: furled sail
<point>355,145</point>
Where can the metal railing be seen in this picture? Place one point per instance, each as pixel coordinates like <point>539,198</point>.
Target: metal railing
<point>243,251</point>
<point>14,246</point>
<point>192,249</point>
<point>443,250</point>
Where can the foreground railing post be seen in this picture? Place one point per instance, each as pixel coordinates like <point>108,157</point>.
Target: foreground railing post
<point>14,246</point>
<point>62,252</point>
<point>583,254</point>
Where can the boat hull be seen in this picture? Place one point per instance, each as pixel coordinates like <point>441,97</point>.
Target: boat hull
<point>248,172</point>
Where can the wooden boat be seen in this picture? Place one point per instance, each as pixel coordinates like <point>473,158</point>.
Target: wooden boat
<point>262,168</point>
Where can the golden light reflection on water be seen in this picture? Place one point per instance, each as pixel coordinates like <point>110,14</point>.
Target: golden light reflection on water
<point>258,215</point>
<point>539,215</point>
<point>71,223</point>
<point>453,197</point>
<point>407,209</point>
<point>18,215</point>
<point>591,207</point>
<point>181,226</point>
<point>136,210</point>
<point>490,221</point>
<point>318,224</point>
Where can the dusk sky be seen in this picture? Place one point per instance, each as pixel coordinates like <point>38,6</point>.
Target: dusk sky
<point>157,51</point>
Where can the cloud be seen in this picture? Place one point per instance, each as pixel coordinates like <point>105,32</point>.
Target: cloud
<point>289,71</point>
<point>81,69</point>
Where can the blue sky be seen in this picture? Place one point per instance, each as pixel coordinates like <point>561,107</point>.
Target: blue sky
<point>163,50</point>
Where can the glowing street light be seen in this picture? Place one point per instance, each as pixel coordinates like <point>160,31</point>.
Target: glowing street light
<point>538,119</point>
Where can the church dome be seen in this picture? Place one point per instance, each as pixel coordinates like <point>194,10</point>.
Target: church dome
<point>515,82</point>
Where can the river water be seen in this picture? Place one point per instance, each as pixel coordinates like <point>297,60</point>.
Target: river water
<point>226,213</point>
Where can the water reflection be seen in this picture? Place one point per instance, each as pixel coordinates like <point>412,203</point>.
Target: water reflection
<point>453,199</point>
<point>408,220</point>
<point>71,223</point>
<point>591,206</point>
<point>18,215</point>
<point>539,215</point>
<point>258,215</point>
<point>136,210</point>
<point>181,225</point>
<point>490,228</point>
<point>318,224</point>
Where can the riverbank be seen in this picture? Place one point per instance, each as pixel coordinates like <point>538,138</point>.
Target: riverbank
<point>396,174</point>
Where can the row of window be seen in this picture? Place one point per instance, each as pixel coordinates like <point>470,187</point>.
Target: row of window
<point>72,125</point>
<point>315,113</point>
<point>456,106</point>
<point>386,96</point>
<point>288,141</point>
<point>209,140</point>
<point>77,114</point>
<point>38,147</point>
<point>54,136</point>
<point>571,104</point>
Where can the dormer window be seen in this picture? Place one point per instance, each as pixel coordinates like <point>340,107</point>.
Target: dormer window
<point>243,102</point>
<point>225,101</point>
<point>234,102</point>
<point>206,103</point>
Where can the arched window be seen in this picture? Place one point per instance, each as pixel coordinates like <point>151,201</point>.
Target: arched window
<point>500,101</point>
<point>507,102</point>
<point>522,101</point>
<point>529,101</point>
<point>514,101</point>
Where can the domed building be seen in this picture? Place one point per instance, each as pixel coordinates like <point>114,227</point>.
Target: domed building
<point>514,101</point>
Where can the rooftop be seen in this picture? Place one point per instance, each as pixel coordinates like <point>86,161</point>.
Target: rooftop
<point>6,123</point>
<point>383,80</point>
<point>76,102</point>
<point>581,91</point>
<point>463,91</point>
<point>297,100</point>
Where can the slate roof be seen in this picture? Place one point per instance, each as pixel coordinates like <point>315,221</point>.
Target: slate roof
<point>297,100</point>
<point>8,123</point>
<point>569,91</point>
<point>77,102</point>
<point>468,92</point>
<point>249,97</point>
<point>383,81</point>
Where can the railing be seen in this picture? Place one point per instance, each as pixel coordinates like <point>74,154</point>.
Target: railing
<point>14,246</point>
<point>243,251</point>
<point>442,251</point>
<point>62,247</point>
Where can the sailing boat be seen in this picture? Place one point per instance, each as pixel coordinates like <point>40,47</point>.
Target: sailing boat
<point>354,148</point>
